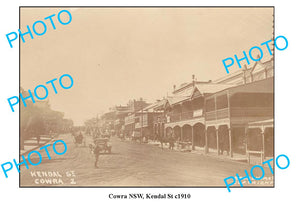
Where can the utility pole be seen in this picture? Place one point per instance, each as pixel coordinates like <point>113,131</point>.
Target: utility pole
<point>142,126</point>
<point>97,124</point>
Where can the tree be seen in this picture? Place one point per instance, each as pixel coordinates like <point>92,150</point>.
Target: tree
<point>38,118</point>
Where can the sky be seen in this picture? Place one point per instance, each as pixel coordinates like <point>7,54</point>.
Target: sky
<point>118,54</point>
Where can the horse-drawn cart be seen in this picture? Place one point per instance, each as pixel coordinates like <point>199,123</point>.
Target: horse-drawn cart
<point>79,139</point>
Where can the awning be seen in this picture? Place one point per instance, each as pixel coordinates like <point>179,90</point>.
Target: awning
<point>262,123</point>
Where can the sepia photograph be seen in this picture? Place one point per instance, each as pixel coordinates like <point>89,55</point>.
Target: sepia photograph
<point>146,96</point>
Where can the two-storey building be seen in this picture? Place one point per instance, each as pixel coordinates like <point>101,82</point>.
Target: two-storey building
<point>233,114</point>
<point>185,111</point>
<point>240,119</point>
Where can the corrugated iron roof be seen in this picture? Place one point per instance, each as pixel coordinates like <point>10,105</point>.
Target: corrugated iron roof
<point>212,87</point>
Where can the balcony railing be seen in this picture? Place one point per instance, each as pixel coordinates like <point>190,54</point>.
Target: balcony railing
<point>184,116</point>
<point>239,112</point>
<point>219,114</point>
<point>138,125</point>
<point>251,111</point>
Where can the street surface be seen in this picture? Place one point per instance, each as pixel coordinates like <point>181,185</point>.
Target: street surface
<point>129,164</point>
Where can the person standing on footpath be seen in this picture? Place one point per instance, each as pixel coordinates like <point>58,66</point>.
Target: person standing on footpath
<point>96,153</point>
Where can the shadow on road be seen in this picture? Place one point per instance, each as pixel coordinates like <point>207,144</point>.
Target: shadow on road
<point>81,146</point>
<point>114,153</point>
<point>47,161</point>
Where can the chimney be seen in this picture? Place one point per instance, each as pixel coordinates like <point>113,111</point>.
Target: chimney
<point>258,57</point>
<point>193,77</point>
<point>174,87</point>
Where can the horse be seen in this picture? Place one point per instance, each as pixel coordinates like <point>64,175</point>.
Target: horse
<point>78,139</point>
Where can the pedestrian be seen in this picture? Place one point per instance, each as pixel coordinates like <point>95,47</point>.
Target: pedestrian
<point>74,136</point>
<point>221,146</point>
<point>80,138</point>
<point>122,137</point>
<point>38,138</point>
<point>161,140</point>
<point>171,143</point>
<point>156,137</point>
<point>96,153</point>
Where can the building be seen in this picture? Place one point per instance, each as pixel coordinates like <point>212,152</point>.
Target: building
<point>159,119</point>
<point>232,115</point>
<point>144,121</point>
<point>119,122</point>
<point>250,111</point>
<point>226,115</point>
<point>185,111</point>
<point>131,118</point>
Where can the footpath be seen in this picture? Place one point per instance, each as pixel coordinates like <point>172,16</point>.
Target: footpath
<point>254,160</point>
<point>32,143</point>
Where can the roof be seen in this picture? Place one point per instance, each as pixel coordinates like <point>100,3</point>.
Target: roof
<point>161,104</point>
<point>176,99</point>
<point>261,86</point>
<point>187,91</point>
<point>123,112</point>
<point>185,86</point>
<point>202,87</point>
<point>257,65</point>
<point>212,87</point>
<point>151,106</point>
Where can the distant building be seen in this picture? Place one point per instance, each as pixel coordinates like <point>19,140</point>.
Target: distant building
<point>121,119</point>
<point>132,117</point>
<point>144,120</point>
